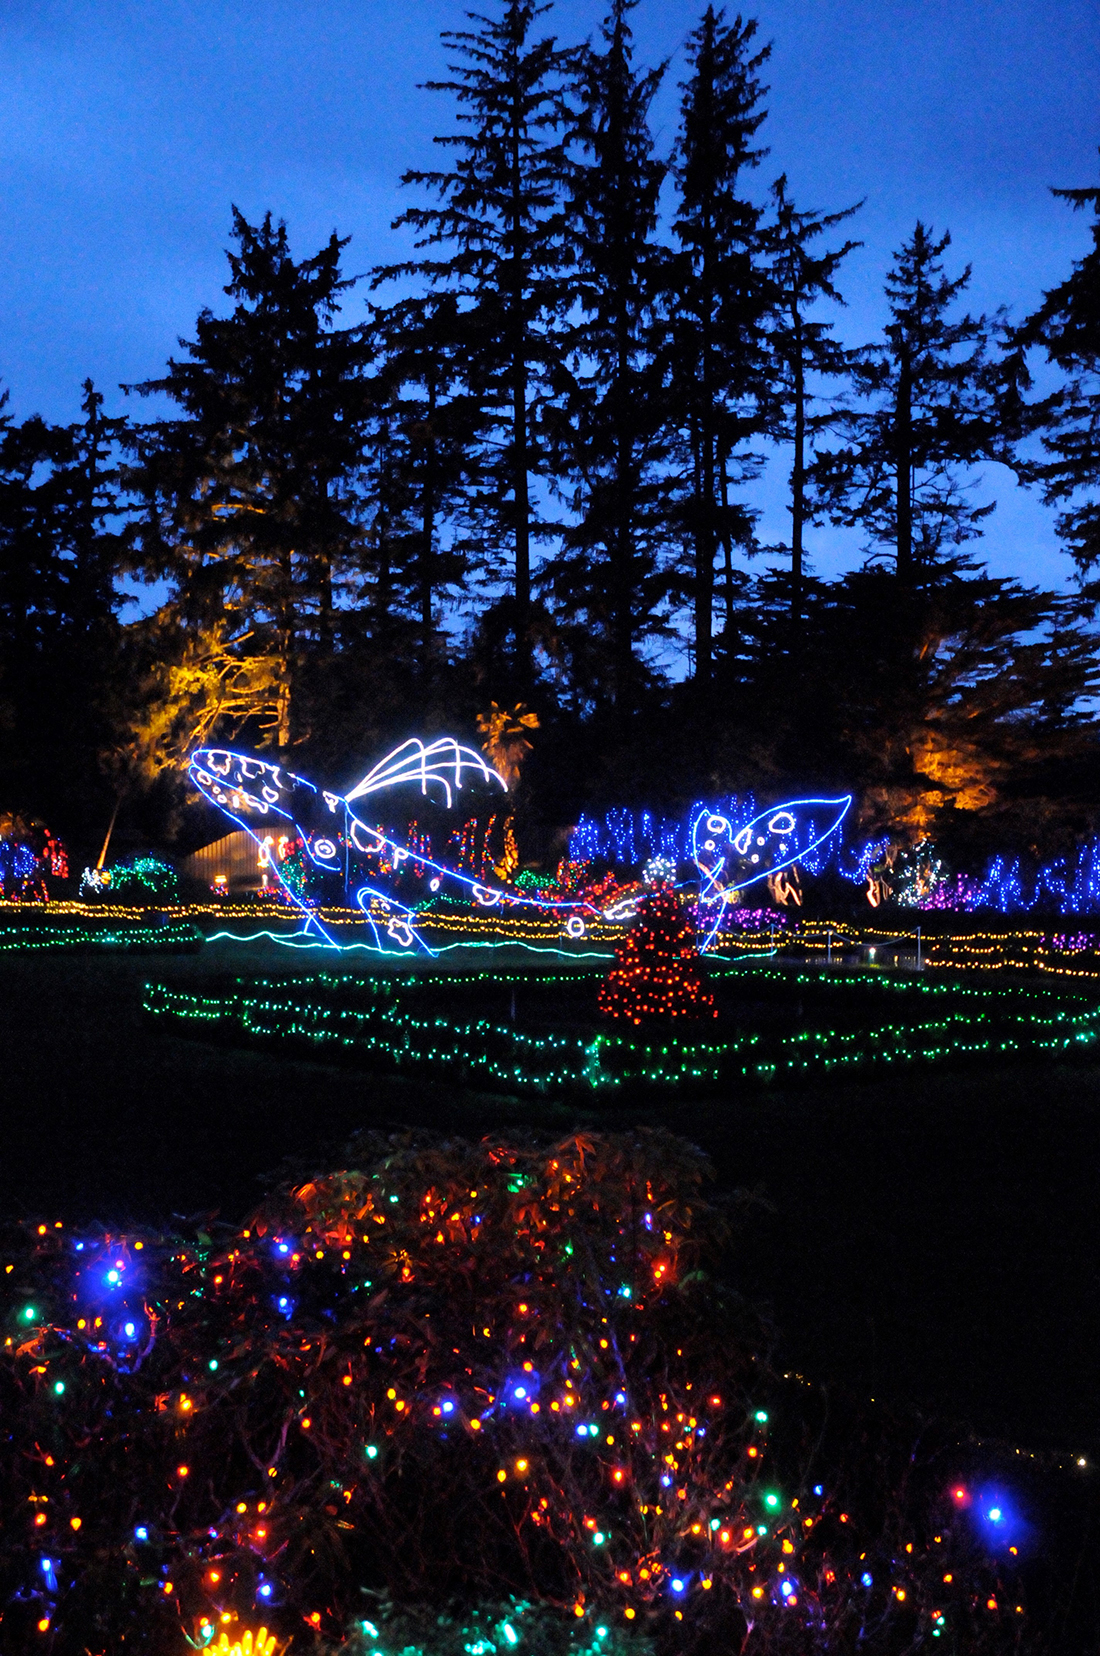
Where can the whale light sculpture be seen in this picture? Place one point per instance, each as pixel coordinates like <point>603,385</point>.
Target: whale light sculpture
<point>267,800</point>
<point>386,879</point>
<point>730,858</point>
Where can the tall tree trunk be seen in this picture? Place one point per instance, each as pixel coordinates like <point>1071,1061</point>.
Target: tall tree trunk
<point>623,596</point>
<point>704,564</point>
<point>427,536</point>
<point>726,540</point>
<point>285,649</point>
<point>324,577</point>
<point>704,536</point>
<point>521,490</point>
<point>903,458</point>
<point>798,481</point>
<point>522,496</point>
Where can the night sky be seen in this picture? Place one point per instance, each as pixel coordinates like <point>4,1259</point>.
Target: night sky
<point>127,129</point>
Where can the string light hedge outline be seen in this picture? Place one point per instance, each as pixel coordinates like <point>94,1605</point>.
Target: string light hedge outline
<point>49,937</point>
<point>397,1021</point>
<point>503,1365</point>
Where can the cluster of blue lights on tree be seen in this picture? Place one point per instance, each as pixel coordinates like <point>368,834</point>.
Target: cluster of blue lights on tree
<point>1070,885</point>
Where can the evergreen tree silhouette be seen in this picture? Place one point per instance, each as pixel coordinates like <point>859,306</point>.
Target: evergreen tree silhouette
<point>803,350</point>
<point>60,552</point>
<point>424,454</point>
<point>718,355</point>
<point>1067,326</point>
<point>615,448</point>
<point>250,516</point>
<point>500,212</point>
<point>931,409</point>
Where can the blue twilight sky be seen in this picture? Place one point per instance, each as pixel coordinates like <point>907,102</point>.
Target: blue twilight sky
<point>127,129</point>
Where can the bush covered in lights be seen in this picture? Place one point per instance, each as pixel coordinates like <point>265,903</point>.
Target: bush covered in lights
<point>496,1384</point>
<point>657,976</point>
<point>142,880</point>
<point>32,859</point>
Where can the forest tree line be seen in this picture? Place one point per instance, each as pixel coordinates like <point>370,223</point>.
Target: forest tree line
<point>525,477</point>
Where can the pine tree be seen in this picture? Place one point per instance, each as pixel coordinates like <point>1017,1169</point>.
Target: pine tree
<point>803,350</point>
<point>959,710</point>
<point>500,212</point>
<point>718,349</point>
<point>609,569</point>
<point>249,515</point>
<point>60,550</point>
<point>426,429</point>
<point>657,975</point>
<point>1067,326</point>
<point>931,410</point>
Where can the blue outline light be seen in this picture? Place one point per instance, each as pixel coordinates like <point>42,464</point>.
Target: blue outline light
<point>782,822</point>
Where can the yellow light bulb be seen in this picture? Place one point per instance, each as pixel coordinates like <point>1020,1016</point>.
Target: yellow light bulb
<point>260,1644</point>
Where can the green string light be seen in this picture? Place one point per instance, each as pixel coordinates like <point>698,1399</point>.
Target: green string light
<point>409,1023</point>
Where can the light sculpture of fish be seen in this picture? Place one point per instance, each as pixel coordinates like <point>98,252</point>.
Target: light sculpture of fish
<point>729,858</point>
<point>267,801</point>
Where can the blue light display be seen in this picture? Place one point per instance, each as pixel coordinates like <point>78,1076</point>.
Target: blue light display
<point>632,838</point>
<point>729,858</point>
<point>1007,884</point>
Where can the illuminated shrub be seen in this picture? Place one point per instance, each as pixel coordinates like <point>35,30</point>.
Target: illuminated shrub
<point>657,973</point>
<point>448,1377</point>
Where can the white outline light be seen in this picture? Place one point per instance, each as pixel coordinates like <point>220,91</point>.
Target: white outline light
<point>442,761</point>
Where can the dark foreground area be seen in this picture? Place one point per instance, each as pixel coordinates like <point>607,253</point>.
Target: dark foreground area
<point>934,1237</point>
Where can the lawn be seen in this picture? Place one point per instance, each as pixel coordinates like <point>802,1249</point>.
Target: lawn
<point>929,1235</point>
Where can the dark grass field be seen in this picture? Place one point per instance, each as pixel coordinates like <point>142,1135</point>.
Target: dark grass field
<point>934,1237</point>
